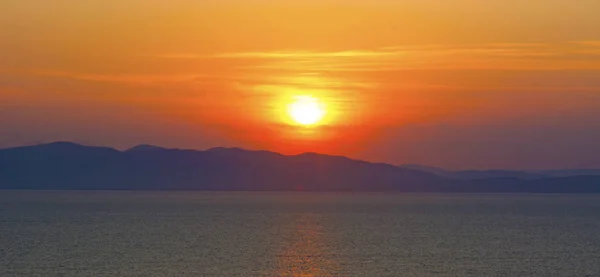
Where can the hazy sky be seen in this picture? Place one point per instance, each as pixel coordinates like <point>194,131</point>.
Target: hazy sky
<point>453,83</point>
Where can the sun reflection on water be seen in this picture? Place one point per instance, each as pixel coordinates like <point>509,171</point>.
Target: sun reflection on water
<point>306,248</point>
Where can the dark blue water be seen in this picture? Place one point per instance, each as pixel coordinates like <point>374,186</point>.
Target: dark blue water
<point>297,234</point>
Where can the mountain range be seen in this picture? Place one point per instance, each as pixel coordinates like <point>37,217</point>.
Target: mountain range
<point>496,173</point>
<point>66,165</point>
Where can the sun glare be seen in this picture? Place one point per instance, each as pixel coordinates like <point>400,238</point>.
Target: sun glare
<point>306,110</point>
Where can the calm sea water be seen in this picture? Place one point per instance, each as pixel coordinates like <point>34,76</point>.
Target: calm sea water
<point>297,234</point>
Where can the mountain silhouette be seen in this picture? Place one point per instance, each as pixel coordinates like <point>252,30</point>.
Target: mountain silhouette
<point>145,147</point>
<point>66,165</point>
<point>486,174</point>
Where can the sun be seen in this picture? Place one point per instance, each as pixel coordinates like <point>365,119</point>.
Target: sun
<point>306,110</point>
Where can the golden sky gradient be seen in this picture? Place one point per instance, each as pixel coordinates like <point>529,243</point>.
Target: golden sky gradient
<point>456,83</point>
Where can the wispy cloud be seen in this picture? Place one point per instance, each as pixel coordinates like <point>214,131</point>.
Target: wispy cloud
<point>287,54</point>
<point>588,43</point>
<point>505,56</point>
<point>347,70</point>
<point>138,79</point>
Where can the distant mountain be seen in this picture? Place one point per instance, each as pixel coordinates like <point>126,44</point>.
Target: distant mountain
<point>145,147</point>
<point>430,169</point>
<point>65,165</point>
<point>486,174</point>
<point>569,172</point>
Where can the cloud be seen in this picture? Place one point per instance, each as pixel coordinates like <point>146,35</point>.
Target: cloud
<point>135,79</point>
<point>588,43</point>
<point>502,56</point>
<point>272,66</point>
<point>285,54</point>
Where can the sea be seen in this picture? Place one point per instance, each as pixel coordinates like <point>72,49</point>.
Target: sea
<point>128,233</point>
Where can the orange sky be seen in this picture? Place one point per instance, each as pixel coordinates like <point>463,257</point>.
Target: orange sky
<point>456,83</point>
